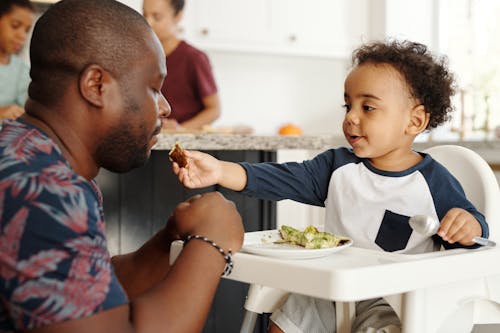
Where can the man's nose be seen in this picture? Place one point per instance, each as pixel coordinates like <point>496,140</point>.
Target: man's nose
<point>164,107</point>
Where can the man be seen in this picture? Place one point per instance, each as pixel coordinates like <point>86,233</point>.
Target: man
<point>94,102</point>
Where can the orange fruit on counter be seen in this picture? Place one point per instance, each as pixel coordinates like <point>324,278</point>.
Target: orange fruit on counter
<point>290,129</point>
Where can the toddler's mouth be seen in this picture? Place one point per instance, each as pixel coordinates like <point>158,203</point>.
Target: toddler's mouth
<point>354,139</point>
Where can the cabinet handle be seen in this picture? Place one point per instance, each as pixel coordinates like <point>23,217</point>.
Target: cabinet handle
<point>204,31</point>
<point>292,38</point>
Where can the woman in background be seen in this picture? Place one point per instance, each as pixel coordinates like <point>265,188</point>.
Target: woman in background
<point>16,18</point>
<point>189,86</point>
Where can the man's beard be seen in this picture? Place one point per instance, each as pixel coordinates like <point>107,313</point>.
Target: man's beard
<point>122,152</point>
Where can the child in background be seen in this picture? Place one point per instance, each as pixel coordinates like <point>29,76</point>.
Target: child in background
<point>395,91</point>
<point>190,85</point>
<point>16,18</point>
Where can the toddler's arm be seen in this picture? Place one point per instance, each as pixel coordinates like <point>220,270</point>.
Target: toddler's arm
<point>205,170</point>
<point>458,225</point>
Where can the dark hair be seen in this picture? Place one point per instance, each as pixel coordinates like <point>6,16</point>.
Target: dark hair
<point>73,34</point>
<point>427,77</point>
<point>177,5</point>
<point>6,5</point>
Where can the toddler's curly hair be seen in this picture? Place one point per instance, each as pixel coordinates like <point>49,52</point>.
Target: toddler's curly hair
<point>427,77</point>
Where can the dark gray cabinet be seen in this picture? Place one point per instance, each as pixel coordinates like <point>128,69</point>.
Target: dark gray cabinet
<point>138,204</point>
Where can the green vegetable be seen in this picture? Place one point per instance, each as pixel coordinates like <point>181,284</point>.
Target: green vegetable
<point>310,237</point>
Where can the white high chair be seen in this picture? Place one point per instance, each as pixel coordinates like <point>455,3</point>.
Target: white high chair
<point>451,308</point>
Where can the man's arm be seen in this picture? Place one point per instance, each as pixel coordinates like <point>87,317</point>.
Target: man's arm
<point>179,303</point>
<point>175,299</point>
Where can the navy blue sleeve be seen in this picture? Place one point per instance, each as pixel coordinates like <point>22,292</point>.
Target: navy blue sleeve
<point>447,193</point>
<point>305,182</point>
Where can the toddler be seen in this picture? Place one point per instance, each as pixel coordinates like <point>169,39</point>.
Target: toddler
<point>395,91</point>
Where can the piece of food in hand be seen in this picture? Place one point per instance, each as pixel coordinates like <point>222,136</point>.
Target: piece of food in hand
<point>177,155</point>
<point>310,237</point>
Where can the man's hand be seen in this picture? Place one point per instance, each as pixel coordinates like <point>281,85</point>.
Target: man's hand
<point>458,225</point>
<point>209,215</point>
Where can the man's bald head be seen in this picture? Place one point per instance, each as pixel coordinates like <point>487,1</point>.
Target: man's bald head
<point>73,34</point>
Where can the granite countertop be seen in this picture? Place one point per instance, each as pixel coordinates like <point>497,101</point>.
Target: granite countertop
<point>212,141</point>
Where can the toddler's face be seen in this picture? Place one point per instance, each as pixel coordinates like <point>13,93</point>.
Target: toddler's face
<point>378,107</point>
<point>14,28</point>
<point>162,18</point>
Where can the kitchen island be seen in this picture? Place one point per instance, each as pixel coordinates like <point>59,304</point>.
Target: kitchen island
<point>137,204</point>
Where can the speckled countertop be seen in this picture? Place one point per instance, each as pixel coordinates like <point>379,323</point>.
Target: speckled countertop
<point>490,150</point>
<point>211,141</point>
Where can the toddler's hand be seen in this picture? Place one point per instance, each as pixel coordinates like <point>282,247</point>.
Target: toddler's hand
<point>202,170</point>
<point>458,225</point>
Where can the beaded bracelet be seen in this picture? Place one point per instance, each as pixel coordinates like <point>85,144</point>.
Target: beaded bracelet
<point>227,256</point>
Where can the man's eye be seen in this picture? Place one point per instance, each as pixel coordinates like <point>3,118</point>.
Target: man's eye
<point>346,107</point>
<point>368,108</point>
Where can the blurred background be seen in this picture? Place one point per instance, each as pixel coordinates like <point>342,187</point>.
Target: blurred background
<point>281,61</point>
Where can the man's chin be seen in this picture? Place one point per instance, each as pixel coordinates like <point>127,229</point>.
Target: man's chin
<point>128,165</point>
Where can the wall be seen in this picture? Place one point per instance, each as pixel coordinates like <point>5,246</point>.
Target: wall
<point>265,91</point>
<point>136,4</point>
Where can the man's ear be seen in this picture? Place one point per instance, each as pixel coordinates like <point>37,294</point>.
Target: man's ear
<point>92,84</point>
<point>419,119</point>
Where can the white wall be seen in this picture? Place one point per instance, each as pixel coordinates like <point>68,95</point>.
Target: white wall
<point>265,91</point>
<point>136,4</point>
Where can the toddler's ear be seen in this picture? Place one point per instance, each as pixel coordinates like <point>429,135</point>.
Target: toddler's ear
<point>419,119</point>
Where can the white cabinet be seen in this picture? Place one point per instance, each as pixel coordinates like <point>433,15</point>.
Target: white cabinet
<point>230,23</point>
<point>321,27</point>
<point>302,27</point>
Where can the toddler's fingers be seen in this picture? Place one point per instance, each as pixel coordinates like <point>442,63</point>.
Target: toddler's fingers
<point>446,223</point>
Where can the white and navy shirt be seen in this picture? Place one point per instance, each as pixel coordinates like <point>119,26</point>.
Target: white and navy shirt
<point>369,205</point>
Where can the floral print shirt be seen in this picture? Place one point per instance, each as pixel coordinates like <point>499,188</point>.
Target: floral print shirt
<point>54,262</point>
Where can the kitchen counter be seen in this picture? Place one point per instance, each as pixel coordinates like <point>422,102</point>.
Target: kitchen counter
<point>489,150</point>
<point>214,141</point>
<point>211,141</point>
<point>138,203</point>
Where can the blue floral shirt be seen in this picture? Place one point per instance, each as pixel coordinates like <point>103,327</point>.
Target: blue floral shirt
<point>54,262</point>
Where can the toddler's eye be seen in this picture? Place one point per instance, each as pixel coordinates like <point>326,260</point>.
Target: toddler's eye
<point>368,108</point>
<point>346,107</point>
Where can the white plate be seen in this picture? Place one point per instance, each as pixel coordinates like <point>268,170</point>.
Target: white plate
<point>261,242</point>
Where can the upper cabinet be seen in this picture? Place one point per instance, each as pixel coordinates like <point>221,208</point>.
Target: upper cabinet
<point>228,23</point>
<point>299,27</point>
<point>320,27</point>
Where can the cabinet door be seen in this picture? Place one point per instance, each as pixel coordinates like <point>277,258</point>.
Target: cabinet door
<point>321,27</point>
<point>231,23</point>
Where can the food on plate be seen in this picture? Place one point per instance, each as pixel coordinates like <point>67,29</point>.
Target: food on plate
<point>310,237</point>
<point>177,155</point>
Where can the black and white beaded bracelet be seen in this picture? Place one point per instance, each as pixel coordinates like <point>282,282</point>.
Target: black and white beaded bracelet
<point>227,256</point>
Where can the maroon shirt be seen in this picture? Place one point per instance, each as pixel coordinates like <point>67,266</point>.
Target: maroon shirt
<point>189,80</point>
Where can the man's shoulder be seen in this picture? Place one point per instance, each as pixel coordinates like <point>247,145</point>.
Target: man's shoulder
<point>25,147</point>
<point>29,160</point>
